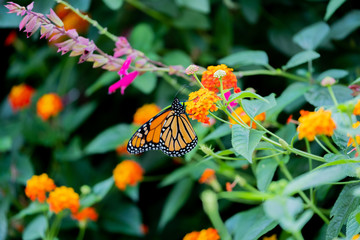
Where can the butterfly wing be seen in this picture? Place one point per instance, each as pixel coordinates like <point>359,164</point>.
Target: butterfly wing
<point>147,137</point>
<point>169,131</point>
<point>178,137</point>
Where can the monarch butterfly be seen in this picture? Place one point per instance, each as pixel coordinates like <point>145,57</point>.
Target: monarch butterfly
<point>169,131</point>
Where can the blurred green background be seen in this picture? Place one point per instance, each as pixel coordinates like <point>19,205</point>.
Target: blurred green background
<point>175,32</point>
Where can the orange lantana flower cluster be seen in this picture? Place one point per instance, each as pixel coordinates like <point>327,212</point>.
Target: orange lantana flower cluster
<point>315,123</point>
<point>48,105</point>
<point>144,113</point>
<point>200,103</point>
<point>64,198</point>
<point>128,172</point>
<point>205,234</point>
<point>207,176</point>
<point>38,186</point>
<point>213,84</point>
<point>241,113</point>
<point>85,214</point>
<point>357,108</point>
<point>20,96</point>
<point>357,137</point>
<point>60,198</point>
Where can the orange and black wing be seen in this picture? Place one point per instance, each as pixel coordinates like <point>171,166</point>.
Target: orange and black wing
<point>147,137</point>
<point>178,137</point>
<point>169,131</point>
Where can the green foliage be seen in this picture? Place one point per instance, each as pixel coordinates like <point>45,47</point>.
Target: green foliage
<point>267,181</point>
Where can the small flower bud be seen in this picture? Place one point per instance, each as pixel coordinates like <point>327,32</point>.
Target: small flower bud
<point>219,74</point>
<point>85,189</point>
<point>192,69</point>
<point>328,81</point>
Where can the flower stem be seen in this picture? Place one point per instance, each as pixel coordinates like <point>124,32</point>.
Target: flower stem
<point>329,144</point>
<point>332,96</point>
<point>277,72</point>
<point>308,149</point>
<point>316,210</point>
<point>55,227</point>
<point>82,228</point>
<point>102,30</point>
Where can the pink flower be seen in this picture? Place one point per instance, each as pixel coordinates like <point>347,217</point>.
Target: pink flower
<point>227,95</point>
<point>125,78</point>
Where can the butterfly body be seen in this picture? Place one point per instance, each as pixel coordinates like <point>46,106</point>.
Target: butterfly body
<point>169,131</point>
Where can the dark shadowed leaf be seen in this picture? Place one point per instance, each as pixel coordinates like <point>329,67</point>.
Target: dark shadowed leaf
<point>246,58</point>
<point>346,25</point>
<point>301,58</point>
<point>109,139</point>
<point>332,6</point>
<point>175,200</point>
<point>36,228</point>
<point>311,37</point>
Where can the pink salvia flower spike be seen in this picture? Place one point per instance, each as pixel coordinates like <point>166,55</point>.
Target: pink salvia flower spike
<point>125,78</point>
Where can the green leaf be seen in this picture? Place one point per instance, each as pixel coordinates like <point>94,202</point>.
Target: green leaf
<point>190,19</point>
<point>246,94</point>
<point>198,5</point>
<point>70,152</point>
<point>244,140</point>
<point>311,37</point>
<point>5,143</point>
<point>320,96</point>
<point>176,199</point>
<point>3,223</point>
<point>142,37</point>
<point>250,224</point>
<point>335,73</point>
<point>356,81</point>
<point>285,210</point>
<point>346,25</point>
<point>352,225</point>
<point>177,57</point>
<point>246,58</point>
<point>106,79</point>
<point>290,95</point>
<point>344,205</point>
<point>23,168</point>
<point>99,191</point>
<point>33,208</point>
<point>146,83</point>
<point>82,5</point>
<point>251,10</point>
<point>109,139</point>
<point>193,169</point>
<point>219,132</point>
<point>132,192</point>
<point>301,58</point>
<point>332,6</point>
<point>264,173</point>
<point>257,106</point>
<point>36,228</point>
<point>113,4</point>
<point>122,217</point>
<point>74,117</point>
<point>315,178</point>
